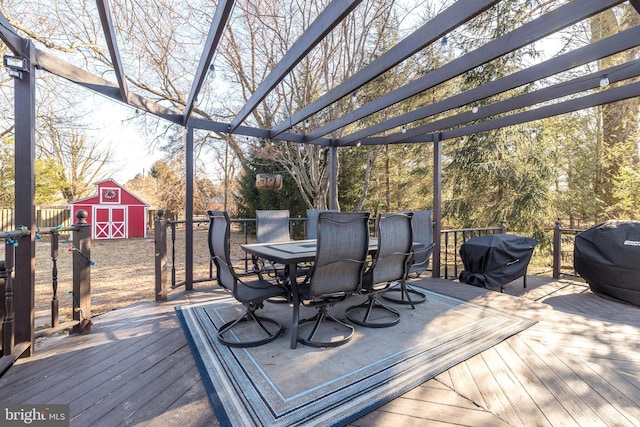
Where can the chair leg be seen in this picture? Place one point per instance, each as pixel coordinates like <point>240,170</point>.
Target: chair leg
<point>249,316</point>
<point>371,305</point>
<point>322,317</point>
<point>406,291</point>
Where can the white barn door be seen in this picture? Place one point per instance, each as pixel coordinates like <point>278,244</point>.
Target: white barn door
<point>109,222</point>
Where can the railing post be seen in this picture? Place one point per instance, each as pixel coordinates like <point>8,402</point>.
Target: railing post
<point>55,318</point>
<point>82,273</point>
<point>557,250</point>
<point>503,226</point>
<point>161,256</point>
<point>8,327</point>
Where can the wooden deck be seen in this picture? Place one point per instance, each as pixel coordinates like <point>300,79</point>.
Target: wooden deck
<point>579,365</point>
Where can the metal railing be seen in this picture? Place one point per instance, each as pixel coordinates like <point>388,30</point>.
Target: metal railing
<point>167,257</point>
<point>563,242</point>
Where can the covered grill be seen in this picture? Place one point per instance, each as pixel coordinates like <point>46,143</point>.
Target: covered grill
<point>607,256</point>
<point>494,260</point>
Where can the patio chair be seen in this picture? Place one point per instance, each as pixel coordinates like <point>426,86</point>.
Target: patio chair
<point>251,293</point>
<point>341,256</point>
<point>390,264</point>
<point>311,226</point>
<point>272,226</point>
<point>422,230</point>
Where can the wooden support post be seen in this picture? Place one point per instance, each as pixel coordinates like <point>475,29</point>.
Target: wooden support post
<point>557,250</point>
<point>333,177</point>
<point>188,232</point>
<point>161,256</point>
<point>82,273</point>
<point>25,211</point>
<point>437,203</point>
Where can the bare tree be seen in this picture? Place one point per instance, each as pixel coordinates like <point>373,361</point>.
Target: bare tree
<point>278,24</point>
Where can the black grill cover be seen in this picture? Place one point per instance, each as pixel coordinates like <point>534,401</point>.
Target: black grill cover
<point>494,260</point>
<point>607,256</point>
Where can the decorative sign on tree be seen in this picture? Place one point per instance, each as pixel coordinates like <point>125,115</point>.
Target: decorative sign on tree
<point>269,181</point>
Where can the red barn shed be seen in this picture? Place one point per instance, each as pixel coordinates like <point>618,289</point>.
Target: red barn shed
<point>114,213</point>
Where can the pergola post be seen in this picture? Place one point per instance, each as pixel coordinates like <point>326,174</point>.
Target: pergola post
<point>333,177</point>
<point>188,211</point>
<point>25,188</point>
<point>437,202</point>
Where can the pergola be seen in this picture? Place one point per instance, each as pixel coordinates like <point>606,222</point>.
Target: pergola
<point>555,99</point>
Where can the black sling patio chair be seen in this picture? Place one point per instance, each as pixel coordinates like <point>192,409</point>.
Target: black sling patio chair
<point>390,264</point>
<point>341,256</point>
<point>251,293</point>
<point>422,229</point>
<point>272,226</point>
<point>311,226</point>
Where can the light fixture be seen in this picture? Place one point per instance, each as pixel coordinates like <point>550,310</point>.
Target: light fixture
<point>354,97</point>
<point>212,70</point>
<point>359,144</point>
<point>16,65</point>
<point>474,108</point>
<point>306,124</point>
<point>404,129</point>
<point>604,81</point>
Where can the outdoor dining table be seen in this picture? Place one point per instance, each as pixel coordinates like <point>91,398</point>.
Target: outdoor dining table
<point>291,254</point>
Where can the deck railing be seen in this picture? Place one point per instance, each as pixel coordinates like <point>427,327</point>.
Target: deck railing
<point>563,240</point>
<point>14,345</point>
<point>167,258</point>
<point>450,242</point>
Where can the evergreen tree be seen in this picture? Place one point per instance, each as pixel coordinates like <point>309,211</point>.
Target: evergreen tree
<point>502,174</point>
<point>617,126</point>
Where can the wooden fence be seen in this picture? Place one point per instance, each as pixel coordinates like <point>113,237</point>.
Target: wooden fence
<point>45,218</point>
<point>54,217</point>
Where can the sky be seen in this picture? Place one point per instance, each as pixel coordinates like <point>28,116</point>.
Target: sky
<point>118,127</point>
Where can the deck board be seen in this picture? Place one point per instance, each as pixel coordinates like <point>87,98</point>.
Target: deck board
<point>578,366</point>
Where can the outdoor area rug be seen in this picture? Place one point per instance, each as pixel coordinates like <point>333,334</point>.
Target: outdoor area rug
<point>274,385</point>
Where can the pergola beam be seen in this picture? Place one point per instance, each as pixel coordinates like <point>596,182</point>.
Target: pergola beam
<point>97,84</point>
<point>557,91</point>
<point>9,36</point>
<point>620,93</point>
<point>592,52</point>
<point>223,10</point>
<point>252,132</point>
<point>528,33</point>
<point>109,33</point>
<point>331,16</point>
<point>454,16</point>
